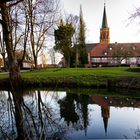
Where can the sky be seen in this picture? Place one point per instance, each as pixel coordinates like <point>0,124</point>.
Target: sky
<point>122,30</point>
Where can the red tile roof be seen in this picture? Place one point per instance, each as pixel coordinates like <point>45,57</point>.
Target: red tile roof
<point>119,49</point>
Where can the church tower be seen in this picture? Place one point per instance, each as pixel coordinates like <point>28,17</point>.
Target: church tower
<point>104,31</point>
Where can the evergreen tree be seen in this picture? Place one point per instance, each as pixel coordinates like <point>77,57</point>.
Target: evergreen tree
<point>63,40</point>
<point>81,41</point>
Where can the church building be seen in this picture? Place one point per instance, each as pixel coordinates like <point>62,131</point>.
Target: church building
<point>105,53</point>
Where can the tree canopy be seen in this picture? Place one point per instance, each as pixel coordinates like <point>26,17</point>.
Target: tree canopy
<point>63,40</point>
<point>81,41</point>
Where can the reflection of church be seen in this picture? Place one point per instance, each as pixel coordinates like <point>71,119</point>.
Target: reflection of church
<point>74,109</point>
<point>105,53</point>
<point>105,108</point>
<point>105,115</point>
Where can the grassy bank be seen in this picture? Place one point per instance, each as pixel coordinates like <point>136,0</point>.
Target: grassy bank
<point>81,77</point>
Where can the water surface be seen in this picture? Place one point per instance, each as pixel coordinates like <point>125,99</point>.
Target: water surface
<point>59,115</point>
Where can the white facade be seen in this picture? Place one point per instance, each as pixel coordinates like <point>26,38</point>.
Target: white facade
<point>27,65</point>
<point>116,61</point>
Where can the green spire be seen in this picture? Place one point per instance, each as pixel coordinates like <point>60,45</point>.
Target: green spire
<point>104,21</point>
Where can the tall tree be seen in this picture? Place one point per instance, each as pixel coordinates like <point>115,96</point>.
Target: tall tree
<point>81,41</point>
<point>74,19</point>
<point>14,71</point>
<point>63,40</point>
<point>20,31</point>
<point>42,16</point>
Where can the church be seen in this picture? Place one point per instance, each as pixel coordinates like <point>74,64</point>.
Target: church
<point>105,53</point>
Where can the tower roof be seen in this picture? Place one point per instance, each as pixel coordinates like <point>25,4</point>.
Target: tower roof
<point>104,21</point>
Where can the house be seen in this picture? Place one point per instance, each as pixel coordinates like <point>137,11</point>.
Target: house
<point>114,54</point>
<point>105,53</point>
<point>26,63</point>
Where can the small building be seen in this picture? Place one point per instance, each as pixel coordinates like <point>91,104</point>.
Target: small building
<point>26,63</point>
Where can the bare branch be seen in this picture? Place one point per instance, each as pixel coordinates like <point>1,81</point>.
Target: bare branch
<point>13,4</point>
<point>4,1</point>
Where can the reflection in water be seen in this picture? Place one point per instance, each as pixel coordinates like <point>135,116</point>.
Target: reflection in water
<point>105,109</point>
<point>53,115</point>
<point>67,109</point>
<point>74,109</point>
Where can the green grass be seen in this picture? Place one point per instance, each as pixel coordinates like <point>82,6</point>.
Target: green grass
<point>68,72</point>
<point>3,76</point>
<point>81,77</point>
<point>86,77</point>
<point>76,72</point>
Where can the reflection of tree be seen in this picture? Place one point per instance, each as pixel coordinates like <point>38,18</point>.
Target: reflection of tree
<point>4,106</point>
<point>84,109</point>
<point>18,114</point>
<point>137,133</point>
<point>74,109</point>
<point>43,121</point>
<point>67,109</point>
<point>33,119</point>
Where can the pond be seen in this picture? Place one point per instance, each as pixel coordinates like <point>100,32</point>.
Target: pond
<point>59,115</point>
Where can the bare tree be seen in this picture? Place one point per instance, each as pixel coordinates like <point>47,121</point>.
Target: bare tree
<point>121,52</point>
<point>14,71</point>
<point>42,16</point>
<point>74,19</point>
<point>20,31</point>
<point>39,17</point>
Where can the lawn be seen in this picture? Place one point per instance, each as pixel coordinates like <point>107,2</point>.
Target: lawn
<point>68,72</point>
<point>82,77</point>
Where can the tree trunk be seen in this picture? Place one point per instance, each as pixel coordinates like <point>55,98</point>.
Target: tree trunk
<point>14,70</point>
<point>18,114</point>
<point>4,61</point>
<point>77,57</point>
<point>35,62</point>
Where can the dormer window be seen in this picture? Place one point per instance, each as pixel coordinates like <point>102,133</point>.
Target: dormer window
<point>134,48</point>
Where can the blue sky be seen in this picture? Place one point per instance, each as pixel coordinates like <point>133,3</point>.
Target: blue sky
<point>118,12</point>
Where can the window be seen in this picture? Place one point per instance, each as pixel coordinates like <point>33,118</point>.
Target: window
<point>104,60</point>
<point>96,60</point>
